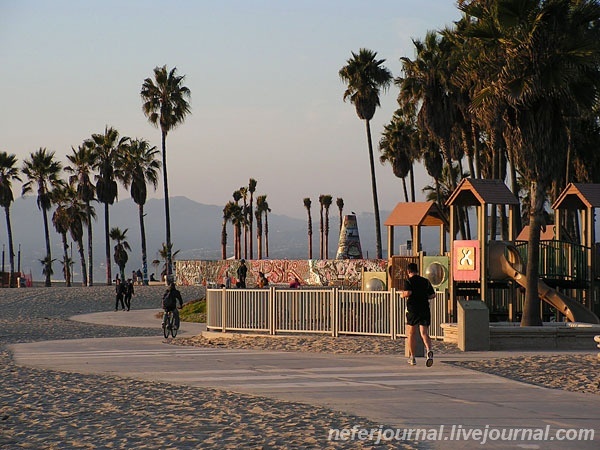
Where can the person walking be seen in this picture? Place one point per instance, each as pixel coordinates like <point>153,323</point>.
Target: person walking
<point>129,292</point>
<point>418,291</point>
<point>242,271</point>
<point>119,294</point>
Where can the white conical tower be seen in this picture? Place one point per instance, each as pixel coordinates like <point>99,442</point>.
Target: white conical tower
<point>349,245</point>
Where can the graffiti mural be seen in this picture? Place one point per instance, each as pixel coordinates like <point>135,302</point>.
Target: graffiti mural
<point>314,272</point>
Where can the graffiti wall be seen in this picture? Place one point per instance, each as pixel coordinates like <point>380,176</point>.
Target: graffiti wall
<point>313,272</point>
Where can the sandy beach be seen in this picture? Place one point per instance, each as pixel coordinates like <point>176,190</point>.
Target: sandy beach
<point>51,409</point>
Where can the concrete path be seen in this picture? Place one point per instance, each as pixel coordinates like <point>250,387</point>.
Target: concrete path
<point>382,388</point>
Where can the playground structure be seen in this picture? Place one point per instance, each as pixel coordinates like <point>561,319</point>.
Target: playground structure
<point>493,270</point>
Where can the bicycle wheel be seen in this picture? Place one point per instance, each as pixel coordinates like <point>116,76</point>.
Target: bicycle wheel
<point>173,328</point>
<point>166,323</point>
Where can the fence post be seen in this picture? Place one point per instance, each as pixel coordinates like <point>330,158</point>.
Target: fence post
<point>223,309</point>
<point>335,300</point>
<point>271,312</point>
<point>393,309</point>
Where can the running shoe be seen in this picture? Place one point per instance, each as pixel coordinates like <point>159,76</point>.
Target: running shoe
<point>429,361</point>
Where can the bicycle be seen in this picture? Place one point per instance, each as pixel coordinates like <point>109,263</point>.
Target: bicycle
<point>168,324</point>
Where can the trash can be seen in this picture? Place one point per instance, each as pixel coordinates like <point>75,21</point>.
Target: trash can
<point>473,326</point>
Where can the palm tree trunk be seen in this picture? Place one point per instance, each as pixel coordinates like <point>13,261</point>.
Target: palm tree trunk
<point>531,308</point>
<point>250,228</point>
<point>48,253</point>
<point>144,249</point>
<point>259,239</point>
<point>374,189</point>
<point>11,253</point>
<point>326,233</point>
<point>107,246</point>
<point>321,236</point>
<point>67,262</point>
<point>310,240</point>
<point>84,277</point>
<point>405,190</point>
<point>224,240</point>
<point>90,272</point>
<point>167,211</point>
<point>412,184</point>
<point>266,234</point>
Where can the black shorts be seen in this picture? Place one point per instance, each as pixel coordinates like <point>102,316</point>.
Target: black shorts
<point>418,317</point>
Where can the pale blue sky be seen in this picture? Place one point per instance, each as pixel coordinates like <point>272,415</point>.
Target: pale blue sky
<point>266,96</point>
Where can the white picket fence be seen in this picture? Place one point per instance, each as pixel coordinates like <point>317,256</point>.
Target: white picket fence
<point>326,311</point>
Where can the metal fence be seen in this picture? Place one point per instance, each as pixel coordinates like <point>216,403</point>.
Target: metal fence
<point>325,311</point>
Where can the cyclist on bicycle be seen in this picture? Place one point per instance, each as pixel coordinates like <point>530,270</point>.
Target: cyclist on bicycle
<point>169,303</point>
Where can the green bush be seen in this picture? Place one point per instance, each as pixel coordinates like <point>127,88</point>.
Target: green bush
<point>194,311</point>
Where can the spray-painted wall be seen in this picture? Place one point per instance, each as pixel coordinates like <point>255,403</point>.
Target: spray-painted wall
<point>313,272</point>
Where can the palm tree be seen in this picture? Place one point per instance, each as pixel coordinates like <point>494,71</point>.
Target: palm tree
<point>79,212</point>
<point>228,213</point>
<point>244,193</point>
<point>165,104</point>
<point>82,162</point>
<point>121,249</point>
<point>260,201</point>
<point>138,167</point>
<point>237,222</point>
<point>42,170</point>
<point>321,228</point>
<point>8,174</point>
<point>546,74</point>
<point>163,254</point>
<point>366,76</point>
<point>107,148</point>
<point>307,204</point>
<point>327,200</point>
<point>340,204</point>
<point>62,222</point>
<point>266,210</point>
<point>251,190</point>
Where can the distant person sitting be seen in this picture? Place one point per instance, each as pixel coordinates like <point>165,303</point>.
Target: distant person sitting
<point>152,277</point>
<point>262,280</point>
<point>295,283</point>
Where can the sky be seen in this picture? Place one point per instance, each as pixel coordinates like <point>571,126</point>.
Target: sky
<point>266,97</point>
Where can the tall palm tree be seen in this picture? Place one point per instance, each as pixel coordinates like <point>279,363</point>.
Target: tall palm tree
<point>237,223</point>
<point>79,212</point>
<point>321,227</point>
<point>260,205</point>
<point>266,210</point>
<point>244,193</point>
<point>546,75</point>
<point>366,77</point>
<point>251,190</point>
<point>139,167</point>
<point>8,173</point>
<point>228,213</point>
<point>81,165</point>
<point>43,171</point>
<point>121,249</point>
<point>107,148</point>
<point>327,200</point>
<point>165,104</point>
<point>340,204</point>
<point>62,222</point>
<point>307,205</point>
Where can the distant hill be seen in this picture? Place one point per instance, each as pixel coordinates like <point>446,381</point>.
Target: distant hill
<point>195,230</point>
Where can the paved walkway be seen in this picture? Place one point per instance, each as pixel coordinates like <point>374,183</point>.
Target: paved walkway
<point>382,388</point>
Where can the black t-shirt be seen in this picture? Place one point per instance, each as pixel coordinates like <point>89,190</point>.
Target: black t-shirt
<point>421,289</point>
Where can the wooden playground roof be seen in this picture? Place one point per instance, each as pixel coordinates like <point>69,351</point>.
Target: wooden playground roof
<point>578,196</point>
<point>475,191</point>
<point>416,213</point>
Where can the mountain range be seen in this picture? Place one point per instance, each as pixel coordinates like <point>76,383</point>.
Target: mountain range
<point>195,231</point>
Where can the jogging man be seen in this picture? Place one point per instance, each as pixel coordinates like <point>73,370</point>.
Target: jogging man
<point>418,291</point>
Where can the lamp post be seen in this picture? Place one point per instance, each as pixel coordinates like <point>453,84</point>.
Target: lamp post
<point>19,260</point>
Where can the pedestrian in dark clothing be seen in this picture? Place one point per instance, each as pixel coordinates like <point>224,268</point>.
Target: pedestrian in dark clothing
<point>418,291</point>
<point>128,293</point>
<point>120,293</point>
<point>241,274</point>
